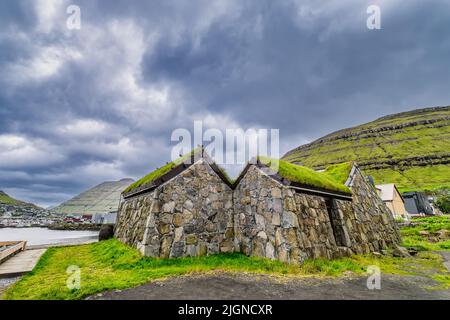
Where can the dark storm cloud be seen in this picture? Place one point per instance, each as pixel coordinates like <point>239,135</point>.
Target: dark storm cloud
<point>315,74</point>
<point>79,107</point>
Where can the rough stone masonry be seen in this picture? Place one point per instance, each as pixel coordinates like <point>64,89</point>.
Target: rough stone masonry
<point>198,213</point>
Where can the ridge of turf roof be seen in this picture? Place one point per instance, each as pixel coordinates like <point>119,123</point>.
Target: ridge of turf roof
<point>340,171</point>
<point>159,172</point>
<point>330,181</point>
<point>333,178</point>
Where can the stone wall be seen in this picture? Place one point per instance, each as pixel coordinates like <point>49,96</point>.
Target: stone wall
<point>189,215</point>
<point>196,213</point>
<point>274,221</point>
<point>369,223</point>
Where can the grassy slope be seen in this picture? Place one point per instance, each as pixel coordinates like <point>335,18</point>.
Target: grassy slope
<point>6,199</point>
<point>308,176</point>
<point>111,265</point>
<point>400,143</point>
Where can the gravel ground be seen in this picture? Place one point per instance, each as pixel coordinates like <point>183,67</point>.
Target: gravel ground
<point>5,283</point>
<point>256,287</point>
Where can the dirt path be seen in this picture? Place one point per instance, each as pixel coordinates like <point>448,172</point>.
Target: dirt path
<point>232,286</point>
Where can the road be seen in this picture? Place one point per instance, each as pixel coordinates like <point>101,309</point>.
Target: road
<point>255,287</point>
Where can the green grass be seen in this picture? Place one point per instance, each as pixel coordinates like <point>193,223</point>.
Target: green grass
<point>305,175</point>
<point>4,198</point>
<point>413,236</point>
<point>167,168</point>
<point>339,172</point>
<point>427,178</point>
<point>160,171</point>
<point>110,265</point>
<point>398,143</point>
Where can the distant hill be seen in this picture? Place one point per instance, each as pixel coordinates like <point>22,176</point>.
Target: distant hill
<point>5,199</point>
<point>10,207</point>
<point>410,149</point>
<point>103,198</point>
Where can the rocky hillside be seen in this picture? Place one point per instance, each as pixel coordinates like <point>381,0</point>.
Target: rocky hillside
<point>411,149</point>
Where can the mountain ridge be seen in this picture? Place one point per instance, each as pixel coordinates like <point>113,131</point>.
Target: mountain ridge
<point>6,199</point>
<point>411,149</point>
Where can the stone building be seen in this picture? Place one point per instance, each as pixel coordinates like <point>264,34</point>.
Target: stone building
<point>191,208</point>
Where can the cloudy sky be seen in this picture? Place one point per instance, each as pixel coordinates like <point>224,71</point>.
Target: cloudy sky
<point>78,107</point>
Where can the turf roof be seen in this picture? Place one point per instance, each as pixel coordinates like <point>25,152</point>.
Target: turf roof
<point>340,171</point>
<point>330,181</point>
<point>159,172</point>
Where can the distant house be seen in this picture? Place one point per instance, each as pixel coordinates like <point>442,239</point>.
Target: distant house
<point>393,200</point>
<point>86,217</point>
<point>107,218</point>
<point>417,204</point>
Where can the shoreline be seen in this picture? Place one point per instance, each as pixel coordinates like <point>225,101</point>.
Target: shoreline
<point>60,227</point>
<point>43,236</point>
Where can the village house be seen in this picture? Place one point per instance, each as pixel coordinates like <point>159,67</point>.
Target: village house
<point>393,200</point>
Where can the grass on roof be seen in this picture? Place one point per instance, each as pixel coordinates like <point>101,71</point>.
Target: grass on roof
<point>339,172</point>
<point>160,171</point>
<point>305,175</point>
<point>225,174</point>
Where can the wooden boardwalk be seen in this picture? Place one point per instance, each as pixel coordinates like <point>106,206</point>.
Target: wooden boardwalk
<point>11,248</point>
<point>21,263</point>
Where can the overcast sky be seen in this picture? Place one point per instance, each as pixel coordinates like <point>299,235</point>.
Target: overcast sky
<point>78,107</point>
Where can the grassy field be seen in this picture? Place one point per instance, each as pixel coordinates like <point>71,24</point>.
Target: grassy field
<point>109,265</point>
<point>427,234</point>
<point>394,140</point>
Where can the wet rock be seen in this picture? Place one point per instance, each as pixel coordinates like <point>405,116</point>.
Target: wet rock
<point>106,232</point>
<point>400,252</point>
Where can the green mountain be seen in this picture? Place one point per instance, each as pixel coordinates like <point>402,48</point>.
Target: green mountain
<point>410,149</point>
<point>7,200</point>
